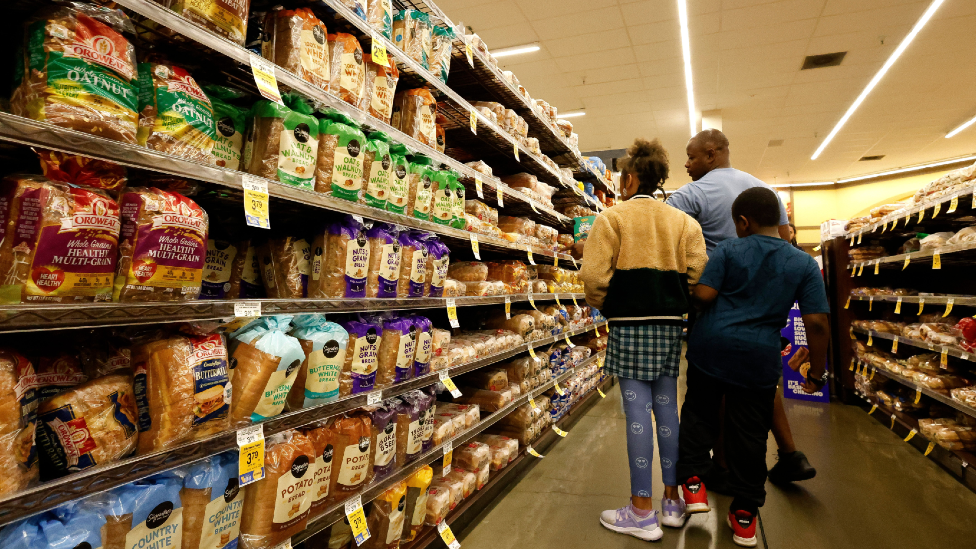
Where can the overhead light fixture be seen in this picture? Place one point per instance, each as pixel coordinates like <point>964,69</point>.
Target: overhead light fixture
<point>965,125</point>
<point>909,169</point>
<point>515,50</point>
<point>877,77</point>
<point>686,53</point>
<point>571,114</point>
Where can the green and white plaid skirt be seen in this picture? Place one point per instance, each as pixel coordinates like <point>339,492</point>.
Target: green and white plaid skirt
<point>644,352</point>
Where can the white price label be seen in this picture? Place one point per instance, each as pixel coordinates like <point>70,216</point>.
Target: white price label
<point>448,456</point>
<point>449,383</point>
<point>374,397</point>
<point>447,535</point>
<point>479,187</point>
<point>247,309</point>
<point>264,76</point>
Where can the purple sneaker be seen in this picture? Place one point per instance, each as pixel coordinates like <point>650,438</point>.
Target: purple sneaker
<point>673,512</point>
<point>625,521</point>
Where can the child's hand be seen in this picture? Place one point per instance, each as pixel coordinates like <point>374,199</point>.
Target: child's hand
<point>802,355</point>
<point>810,387</point>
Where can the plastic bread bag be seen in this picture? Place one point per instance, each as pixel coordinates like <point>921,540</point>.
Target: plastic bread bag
<point>453,486</point>
<point>412,34</point>
<point>454,288</point>
<point>359,370</point>
<point>488,401</point>
<point>285,267</point>
<point>381,83</point>
<point>510,272</point>
<point>230,124</point>
<point>296,41</point>
<point>546,234</point>
<point>484,288</point>
<point>441,44</point>
<point>175,116</point>
<point>212,502</point>
<point>324,344</point>
<point>469,482</point>
<point>339,168</point>
<point>468,271</point>
<point>471,412</point>
<point>424,345</point>
<point>385,258</point>
<point>414,113</point>
<point>492,379</point>
<point>268,361</point>
<point>379,15</point>
<point>520,225</point>
<point>413,267</point>
<point>18,398</point>
<point>323,445</point>
<point>420,187</point>
<point>347,60</point>
<point>444,430</point>
<point>71,525</point>
<point>383,438</point>
<point>438,505</point>
<point>521,324</point>
<point>399,180</point>
<point>438,265</point>
<point>222,263</point>
<point>282,142</point>
<point>65,244</point>
<point>430,414</point>
<point>396,352</point>
<point>346,261</point>
<point>444,190</point>
<point>377,170</point>
<point>411,413</point>
<point>387,516</point>
<point>83,171</point>
<point>245,273</point>
<point>416,502</point>
<point>104,102</point>
<point>352,466</point>
<point>277,506</point>
<point>441,340</point>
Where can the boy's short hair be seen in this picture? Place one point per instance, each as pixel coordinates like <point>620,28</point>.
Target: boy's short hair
<point>758,204</point>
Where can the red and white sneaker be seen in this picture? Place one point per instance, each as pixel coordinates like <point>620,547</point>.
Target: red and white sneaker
<point>743,525</point>
<point>696,498</point>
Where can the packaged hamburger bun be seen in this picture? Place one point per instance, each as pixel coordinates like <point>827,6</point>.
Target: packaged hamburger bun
<point>267,362</point>
<point>377,170</point>
<point>175,116</point>
<point>282,142</point>
<point>324,344</point>
<point>18,401</point>
<point>339,168</point>
<point>212,502</point>
<point>297,41</point>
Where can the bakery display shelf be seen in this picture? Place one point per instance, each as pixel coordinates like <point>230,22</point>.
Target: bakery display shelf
<point>35,317</point>
<point>963,254</point>
<point>965,198</point>
<point>203,37</point>
<point>53,493</point>
<point>948,401</point>
<point>587,174</point>
<point>957,300</point>
<point>336,512</point>
<point>918,343</point>
<point>478,501</point>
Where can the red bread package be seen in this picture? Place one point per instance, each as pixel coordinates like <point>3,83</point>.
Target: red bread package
<point>59,242</point>
<point>163,247</point>
<point>82,170</point>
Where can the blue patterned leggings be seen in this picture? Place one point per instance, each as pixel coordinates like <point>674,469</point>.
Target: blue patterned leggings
<point>640,398</point>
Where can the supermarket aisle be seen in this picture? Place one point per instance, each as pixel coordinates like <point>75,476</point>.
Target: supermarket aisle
<point>872,490</point>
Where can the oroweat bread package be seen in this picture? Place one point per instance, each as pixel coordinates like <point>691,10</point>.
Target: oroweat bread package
<point>162,248</point>
<point>325,345</point>
<point>175,116</point>
<point>277,507</point>
<point>267,363</point>
<point>339,170</point>
<point>359,370</point>
<point>212,502</point>
<point>227,18</point>
<point>18,401</point>
<point>282,142</point>
<point>297,42</point>
<point>59,241</point>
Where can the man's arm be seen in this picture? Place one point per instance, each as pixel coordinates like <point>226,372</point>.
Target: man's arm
<point>784,232</point>
<point>703,296</point>
<point>818,334</point>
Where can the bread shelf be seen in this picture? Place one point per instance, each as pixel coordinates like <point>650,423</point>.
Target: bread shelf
<point>965,198</point>
<point>51,494</point>
<point>20,318</point>
<point>962,254</point>
<point>919,344</point>
<point>941,300</point>
<point>948,401</point>
<point>368,493</point>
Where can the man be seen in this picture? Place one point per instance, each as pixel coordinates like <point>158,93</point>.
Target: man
<point>708,199</point>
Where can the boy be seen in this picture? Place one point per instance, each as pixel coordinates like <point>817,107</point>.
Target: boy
<point>746,291</point>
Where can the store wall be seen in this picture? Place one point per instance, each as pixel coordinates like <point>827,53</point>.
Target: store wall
<point>814,206</point>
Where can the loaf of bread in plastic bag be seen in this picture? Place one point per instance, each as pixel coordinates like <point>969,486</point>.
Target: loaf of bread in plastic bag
<point>468,271</point>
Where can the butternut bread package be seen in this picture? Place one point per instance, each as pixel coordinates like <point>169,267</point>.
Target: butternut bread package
<point>411,33</point>
<point>230,124</point>
<point>282,142</point>
<point>182,390</point>
<point>322,443</point>
<point>386,518</point>
<point>297,42</point>
<point>163,247</point>
<point>420,187</point>
<point>414,112</point>
<point>60,243</point>
<point>226,18</point>
<point>379,15</point>
<point>79,71</point>
<point>212,502</point>
<point>286,264</point>
<point>145,513</point>
<point>397,351</point>
<point>377,170</point>
<point>84,171</point>
<point>399,180</point>
<point>325,345</point>
<point>359,370</point>
<point>416,510</point>
<point>18,401</point>
<point>267,362</point>
<point>348,68</point>
<point>384,261</point>
<point>383,438</point>
<point>413,266</point>
<point>175,116</point>
<point>89,425</point>
<point>339,169</point>
<point>381,83</point>
<point>350,437</point>
<point>346,262</point>
<point>277,507</point>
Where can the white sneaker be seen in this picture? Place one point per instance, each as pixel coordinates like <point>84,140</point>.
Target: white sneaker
<point>625,521</point>
<point>673,512</point>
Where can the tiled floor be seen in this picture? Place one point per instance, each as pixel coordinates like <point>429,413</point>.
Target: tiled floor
<point>871,490</point>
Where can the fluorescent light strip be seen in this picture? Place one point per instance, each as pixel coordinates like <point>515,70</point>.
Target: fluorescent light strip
<point>686,53</point>
<point>571,114</point>
<point>515,50</point>
<point>909,169</point>
<point>877,77</point>
<point>965,125</point>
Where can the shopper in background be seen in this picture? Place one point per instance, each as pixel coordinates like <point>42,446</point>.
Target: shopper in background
<point>792,237</point>
<point>746,293</point>
<point>639,260</point>
<point>708,198</point>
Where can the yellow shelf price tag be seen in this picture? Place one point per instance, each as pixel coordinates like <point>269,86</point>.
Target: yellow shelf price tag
<point>532,451</point>
<point>448,455</point>
<point>474,247</point>
<point>532,353</point>
<point>944,358</point>
<point>574,300</point>
<point>931,446</point>
<point>852,333</point>
<point>918,395</point>
<point>600,391</point>
<point>532,205</point>
<point>508,308</point>
<point>500,195</point>
<point>870,340</point>
<point>555,259</point>
<point>534,406</point>
<point>860,269</point>
<point>559,389</point>
<point>378,52</point>
<point>532,302</point>
<point>250,440</point>
<point>559,431</point>
<point>516,150</point>
<point>479,187</point>
<point>468,52</point>
<point>908,259</point>
<point>357,519</point>
<point>949,304</point>
<point>911,435</point>
<point>264,77</point>
<point>859,235</point>
<point>873,371</point>
<point>853,362</point>
<point>529,253</point>
<point>935,212</point>
<point>256,202</point>
<point>936,261</point>
<point>894,345</point>
<point>921,304</point>
<point>449,383</point>
<point>877,265</point>
<point>894,224</point>
<point>873,408</point>
<point>474,123</point>
<point>898,306</point>
<point>870,302</point>
<point>452,313</point>
<point>953,204</point>
<point>892,422</point>
<point>568,342</point>
<point>884,227</point>
<point>558,304</point>
<point>848,304</point>
<point>447,535</point>
<point>921,215</point>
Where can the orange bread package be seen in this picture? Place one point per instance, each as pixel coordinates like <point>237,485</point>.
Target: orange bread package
<point>350,437</point>
<point>348,68</point>
<point>276,507</point>
<point>381,83</point>
<point>162,248</point>
<point>18,458</point>
<point>59,241</point>
<point>322,443</point>
<point>414,112</point>
<point>82,170</point>
<point>297,42</point>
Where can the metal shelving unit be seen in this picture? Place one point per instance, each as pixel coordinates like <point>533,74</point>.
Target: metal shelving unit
<point>917,343</point>
<point>965,200</point>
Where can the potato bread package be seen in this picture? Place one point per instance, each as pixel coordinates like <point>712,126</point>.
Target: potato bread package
<point>323,445</point>
<point>212,503</point>
<point>325,345</point>
<point>350,437</point>
<point>268,360</point>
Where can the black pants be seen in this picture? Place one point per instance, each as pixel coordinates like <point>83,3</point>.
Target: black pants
<point>748,418</point>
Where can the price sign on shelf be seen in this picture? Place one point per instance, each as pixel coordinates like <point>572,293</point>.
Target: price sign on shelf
<point>921,304</point>
<point>508,308</point>
<point>499,195</point>
<point>533,406</point>
<point>452,313</point>
<point>532,353</point>
<point>474,123</point>
<point>860,269</point>
<point>256,202</point>
<point>468,52</point>
<point>853,362</point>
<point>870,340</point>
<point>894,345</point>
<point>378,52</point>
<point>532,204</point>
<point>447,535</point>
<point>532,451</point>
<point>929,448</point>
<point>568,342</point>
<point>449,383</point>
<point>848,304</point>
<point>911,435</point>
<point>877,265</point>
<point>944,358</point>
<point>529,253</point>
<point>516,150</point>
<point>908,259</point>
<point>870,302</point>
<point>250,441</point>
<point>474,247</point>
<point>921,215</point>
<point>948,309</point>
<point>247,309</point>
<point>598,390</point>
<point>479,187</point>
<point>448,454</point>
<point>935,212</point>
<point>859,235</point>
<point>558,304</point>
<point>953,204</point>
<point>264,77</point>
<point>532,302</point>
<point>873,408</point>
<point>918,395</point>
<point>559,389</point>
<point>559,431</point>
<point>357,519</point>
<point>898,306</point>
<point>936,261</point>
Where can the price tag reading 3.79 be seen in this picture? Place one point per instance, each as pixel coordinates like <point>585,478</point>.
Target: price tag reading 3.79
<point>250,440</point>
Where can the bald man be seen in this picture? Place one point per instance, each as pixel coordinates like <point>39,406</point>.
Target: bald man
<point>708,198</point>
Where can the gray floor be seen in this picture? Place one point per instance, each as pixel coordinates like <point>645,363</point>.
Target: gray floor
<point>871,490</point>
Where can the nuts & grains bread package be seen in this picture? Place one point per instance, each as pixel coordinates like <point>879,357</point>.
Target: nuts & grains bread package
<point>162,247</point>
<point>276,507</point>
<point>212,502</point>
<point>379,15</point>
<point>339,169</point>
<point>285,267</point>
<point>230,125</point>
<point>346,262</point>
<point>399,180</point>
<point>219,265</point>
<point>411,414</point>
<point>348,68</point>
<point>412,34</point>
<point>397,351</point>
<point>297,42</point>
<point>420,187</point>
<point>80,72</point>
<point>414,112</point>
<point>88,425</point>
<point>61,241</point>
<point>175,116</point>
<point>377,170</point>
<point>282,142</point>
<point>321,438</point>
<point>413,265</point>
<point>384,261</point>
<point>182,390</point>
<point>439,259</point>
<point>325,345</point>
<point>227,18</point>
<point>383,438</point>
<point>268,360</point>
<point>380,89</point>
<point>416,510</point>
<point>350,437</point>
<point>359,370</point>
<point>18,400</point>
<point>386,518</point>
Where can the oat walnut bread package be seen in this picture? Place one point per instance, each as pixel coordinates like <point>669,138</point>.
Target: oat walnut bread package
<point>163,247</point>
<point>339,169</point>
<point>230,125</point>
<point>282,142</point>
<point>175,116</point>
<point>212,502</point>
<point>377,170</point>
<point>18,399</point>
<point>79,72</point>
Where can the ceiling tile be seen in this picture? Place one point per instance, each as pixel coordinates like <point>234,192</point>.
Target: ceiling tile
<point>579,23</point>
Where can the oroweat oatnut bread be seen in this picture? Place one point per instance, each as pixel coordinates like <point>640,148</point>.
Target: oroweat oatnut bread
<point>227,18</point>
<point>175,116</point>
